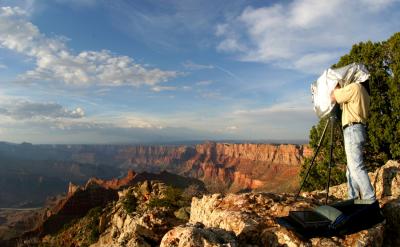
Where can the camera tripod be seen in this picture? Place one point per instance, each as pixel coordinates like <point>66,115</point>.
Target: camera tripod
<point>334,115</point>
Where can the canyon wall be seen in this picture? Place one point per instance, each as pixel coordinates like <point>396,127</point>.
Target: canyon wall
<point>31,173</point>
<point>223,166</point>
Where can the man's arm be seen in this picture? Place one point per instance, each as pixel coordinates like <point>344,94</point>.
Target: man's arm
<point>343,95</point>
<point>333,97</point>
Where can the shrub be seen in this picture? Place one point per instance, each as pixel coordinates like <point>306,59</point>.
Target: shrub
<point>172,199</point>
<point>129,203</point>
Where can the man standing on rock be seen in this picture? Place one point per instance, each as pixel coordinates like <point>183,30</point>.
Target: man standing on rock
<point>354,101</point>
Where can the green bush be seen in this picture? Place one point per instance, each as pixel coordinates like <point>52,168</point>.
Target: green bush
<point>172,199</point>
<point>94,212</point>
<point>94,235</point>
<point>129,203</point>
<point>93,226</point>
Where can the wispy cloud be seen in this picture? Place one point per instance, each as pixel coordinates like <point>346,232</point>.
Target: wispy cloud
<point>55,62</point>
<point>230,73</point>
<point>211,95</point>
<point>79,3</point>
<point>102,91</point>
<point>195,66</point>
<point>163,88</point>
<point>305,35</point>
<point>204,83</point>
<point>21,110</point>
<point>232,128</point>
<point>55,127</point>
<point>172,25</point>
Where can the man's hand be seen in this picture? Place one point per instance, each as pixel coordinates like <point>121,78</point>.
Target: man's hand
<point>333,99</point>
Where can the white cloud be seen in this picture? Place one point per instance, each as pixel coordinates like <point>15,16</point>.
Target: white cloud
<point>307,35</point>
<point>231,45</point>
<point>274,122</point>
<point>312,62</point>
<point>377,5</point>
<point>231,128</point>
<point>163,88</point>
<point>211,95</point>
<point>122,128</point>
<point>309,13</point>
<point>56,62</point>
<point>77,112</point>
<point>274,112</point>
<point>21,110</point>
<point>134,122</point>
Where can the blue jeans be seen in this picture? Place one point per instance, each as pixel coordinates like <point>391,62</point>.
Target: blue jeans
<point>358,183</point>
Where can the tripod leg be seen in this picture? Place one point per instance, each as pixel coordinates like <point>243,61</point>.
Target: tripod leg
<point>313,159</point>
<point>332,122</point>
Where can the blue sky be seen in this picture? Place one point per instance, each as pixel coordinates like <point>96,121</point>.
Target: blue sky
<point>86,71</point>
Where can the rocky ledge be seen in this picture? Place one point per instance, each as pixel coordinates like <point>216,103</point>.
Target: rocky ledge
<point>249,219</point>
<point>151,213</point>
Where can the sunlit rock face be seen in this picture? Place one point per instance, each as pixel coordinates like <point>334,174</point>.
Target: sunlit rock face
<point>223,166</point>
<point>250,217</point>
<point>144,226</point>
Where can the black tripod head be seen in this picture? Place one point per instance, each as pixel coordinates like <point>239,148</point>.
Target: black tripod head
<point>336,112</point>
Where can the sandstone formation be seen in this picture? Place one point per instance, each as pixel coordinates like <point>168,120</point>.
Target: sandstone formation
<point>96,192</point>
<point>79,200</point>
<point>115,183</point>
<point>224,166</point>
<point>142,225</point>
<point>198,235</point>
<point>251,216</point>
<point>99,193</point>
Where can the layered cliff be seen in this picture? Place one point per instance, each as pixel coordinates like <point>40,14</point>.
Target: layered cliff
<point>31,173</point>
<point>224,166</point>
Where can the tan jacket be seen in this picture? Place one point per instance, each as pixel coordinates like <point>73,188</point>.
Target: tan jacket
<point>354,101</point>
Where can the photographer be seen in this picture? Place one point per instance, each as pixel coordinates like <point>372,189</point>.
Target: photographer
<point>354,101</point>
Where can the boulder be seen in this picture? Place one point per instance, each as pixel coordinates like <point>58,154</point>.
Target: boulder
<point>391,211</point>
<point>140,226</point>
<point>251,217</point>
<point>182,213</point>
<point>198,235</point>
<point>385,179</point>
